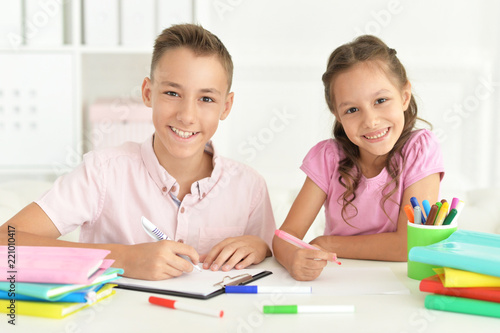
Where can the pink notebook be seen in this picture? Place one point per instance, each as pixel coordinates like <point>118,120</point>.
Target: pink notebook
<point>43,264</point>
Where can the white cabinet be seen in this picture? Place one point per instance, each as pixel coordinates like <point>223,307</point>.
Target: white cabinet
<point>59,59</point>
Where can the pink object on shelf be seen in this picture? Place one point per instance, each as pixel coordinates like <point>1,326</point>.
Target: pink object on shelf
<point>115,121</point>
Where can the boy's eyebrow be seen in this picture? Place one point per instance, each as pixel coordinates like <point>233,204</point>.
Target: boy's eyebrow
<point>176,85</point>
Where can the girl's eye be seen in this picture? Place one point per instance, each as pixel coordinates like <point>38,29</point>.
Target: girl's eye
<point>351,110</point>
<point>172,93</point>
<point>380,100</point>
<point>207,99</point>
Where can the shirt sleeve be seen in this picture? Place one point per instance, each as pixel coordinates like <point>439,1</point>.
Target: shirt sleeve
<point>422,157</point>
<point>319,162</point>
<point>76,198</point>
<point>261,219</point>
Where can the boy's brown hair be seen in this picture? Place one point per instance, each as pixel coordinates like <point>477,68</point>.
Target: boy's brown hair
<point>202,42</point>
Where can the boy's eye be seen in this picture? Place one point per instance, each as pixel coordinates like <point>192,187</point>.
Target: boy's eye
<point>207,99</point>
<point>380,100</point>
<point>171,93</point>
<point>351,110</point>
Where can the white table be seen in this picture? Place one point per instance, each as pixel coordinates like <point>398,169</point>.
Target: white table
<point>129,311</point>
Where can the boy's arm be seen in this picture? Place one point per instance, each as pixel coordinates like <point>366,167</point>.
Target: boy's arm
<point>149,261</point>
<point>254,246</point>
<point>390,246</point>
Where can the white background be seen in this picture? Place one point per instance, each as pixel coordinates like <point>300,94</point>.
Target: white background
<point>449,48</point>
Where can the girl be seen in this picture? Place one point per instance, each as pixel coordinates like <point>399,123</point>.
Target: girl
<point>372,168</point>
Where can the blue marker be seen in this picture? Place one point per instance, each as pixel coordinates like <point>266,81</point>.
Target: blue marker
<point>414,203</point>
<point>267,290</point>
<point>427,207</point>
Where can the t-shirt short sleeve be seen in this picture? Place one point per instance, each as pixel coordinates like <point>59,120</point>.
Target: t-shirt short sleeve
<point>422,157</point>
<point>319,163</point>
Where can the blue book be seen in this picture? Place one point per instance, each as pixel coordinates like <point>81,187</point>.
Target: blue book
<point>79,296</point>
<point>467,250</point>
<point>54,292</point>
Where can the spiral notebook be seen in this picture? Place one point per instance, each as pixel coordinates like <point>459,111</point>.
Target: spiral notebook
<point>200,285</point>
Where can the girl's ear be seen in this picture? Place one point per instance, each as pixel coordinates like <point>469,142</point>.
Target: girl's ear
<point>406,95</point>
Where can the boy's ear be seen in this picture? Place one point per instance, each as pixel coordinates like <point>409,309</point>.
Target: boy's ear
<point>228,104</point>
<point>406,95</point>
<point>146,91</point>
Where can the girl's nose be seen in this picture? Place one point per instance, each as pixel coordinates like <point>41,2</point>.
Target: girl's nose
<point>371,118</point>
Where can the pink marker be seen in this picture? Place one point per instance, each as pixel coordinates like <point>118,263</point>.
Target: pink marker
<point>299,243</point>
<point>454,203</point>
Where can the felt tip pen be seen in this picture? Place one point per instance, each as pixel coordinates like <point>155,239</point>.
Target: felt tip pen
<point>294,309</point>
<point>409,213</point>
<point>268,290</point>
<point>414,203</point>
<point>299,242</point>
<point>443,211</point>
<point>173,304</point>
<point>450,217</point>
<point>427,207</point>
<point>158,235</point>
<point>432,215</point>
<point>454,203</point>
<point>417,215</point>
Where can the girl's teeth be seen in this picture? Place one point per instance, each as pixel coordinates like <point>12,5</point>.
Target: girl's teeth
<point>376,136</point>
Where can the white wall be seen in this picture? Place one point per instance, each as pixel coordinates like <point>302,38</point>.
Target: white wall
<point>450,50</point>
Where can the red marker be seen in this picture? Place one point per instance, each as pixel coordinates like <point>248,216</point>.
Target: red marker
<point>173,304</point>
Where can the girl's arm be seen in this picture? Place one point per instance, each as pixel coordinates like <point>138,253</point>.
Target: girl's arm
<point>150,261</point>
<point>302,264</point>
<point>390,246</point>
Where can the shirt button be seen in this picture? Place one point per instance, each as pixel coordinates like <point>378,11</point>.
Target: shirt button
<point>173,189</point>
<point>164,189</point>
<point>182,210</point>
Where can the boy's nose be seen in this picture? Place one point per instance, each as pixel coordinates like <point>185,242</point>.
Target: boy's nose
<point>187,112</point>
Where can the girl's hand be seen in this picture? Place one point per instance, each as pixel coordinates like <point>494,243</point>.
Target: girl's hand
<point>238,252</point>
<point>306,264</point>
<point>156,261</point>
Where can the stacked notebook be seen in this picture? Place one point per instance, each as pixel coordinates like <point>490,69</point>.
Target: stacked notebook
<point>53,282</point>
<point>470,280</point>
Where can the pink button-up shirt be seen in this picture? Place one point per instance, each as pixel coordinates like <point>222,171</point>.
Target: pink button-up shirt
<point>109,192</point>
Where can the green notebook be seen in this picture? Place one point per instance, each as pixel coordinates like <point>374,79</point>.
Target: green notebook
<point>462,305</point>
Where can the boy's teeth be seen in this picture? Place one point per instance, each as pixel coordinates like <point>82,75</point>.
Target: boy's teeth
<point>376,136</point>
<point>182,134</point>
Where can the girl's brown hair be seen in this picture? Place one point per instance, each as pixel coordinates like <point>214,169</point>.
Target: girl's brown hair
<point>366,48</point>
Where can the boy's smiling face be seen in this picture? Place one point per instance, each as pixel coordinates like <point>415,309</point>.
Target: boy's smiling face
<point>189,95</point>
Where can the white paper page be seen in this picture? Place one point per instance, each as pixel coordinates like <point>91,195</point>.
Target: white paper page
<point>338,281</point>
<point>199,283</point>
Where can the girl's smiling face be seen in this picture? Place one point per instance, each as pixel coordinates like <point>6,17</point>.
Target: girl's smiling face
<point>370,108</point>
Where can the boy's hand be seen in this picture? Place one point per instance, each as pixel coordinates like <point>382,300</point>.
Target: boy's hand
<point>238,252</point>
<point>157,260</point>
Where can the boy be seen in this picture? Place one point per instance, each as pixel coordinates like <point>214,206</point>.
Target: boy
<point>207,204</point>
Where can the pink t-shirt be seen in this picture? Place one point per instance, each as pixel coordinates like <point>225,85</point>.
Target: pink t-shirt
<point>423,157</point>
<point>109,192</point>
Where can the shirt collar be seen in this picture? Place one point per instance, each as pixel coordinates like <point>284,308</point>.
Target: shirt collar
<point>165,181</point>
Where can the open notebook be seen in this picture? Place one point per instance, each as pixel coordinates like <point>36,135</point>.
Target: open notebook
<point>200,285</point>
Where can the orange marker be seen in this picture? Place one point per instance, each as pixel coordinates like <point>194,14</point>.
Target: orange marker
<point>409,213</point>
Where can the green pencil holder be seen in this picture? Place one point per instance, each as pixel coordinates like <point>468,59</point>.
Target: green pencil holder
<point>422,235</point>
